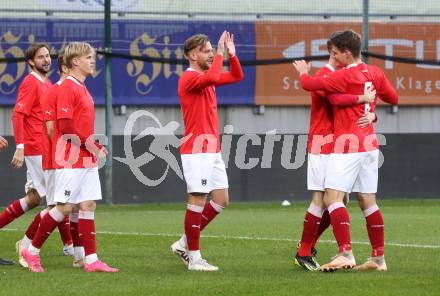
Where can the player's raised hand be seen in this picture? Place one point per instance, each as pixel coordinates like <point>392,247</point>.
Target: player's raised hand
<point>3,143</point>
<point>221,43</point>
<point>230,46</point>
<point>18,158</point>
<point>302,67</point>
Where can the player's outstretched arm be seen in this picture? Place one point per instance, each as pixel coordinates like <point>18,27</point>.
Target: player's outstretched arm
<point>308,82</point>
<point>351,99</point>
<point>235,72</point>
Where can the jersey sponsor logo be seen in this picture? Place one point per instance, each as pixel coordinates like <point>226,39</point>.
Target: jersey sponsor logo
<point>48,112</point>
<point>20,104</point>
<point>204,182</point>
<point>65,109</point>
<point>67,193</point>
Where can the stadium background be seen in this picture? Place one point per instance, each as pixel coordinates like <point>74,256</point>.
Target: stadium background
<point>146,53</point>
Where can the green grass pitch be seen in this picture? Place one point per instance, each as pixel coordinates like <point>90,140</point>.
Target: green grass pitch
<point>252,243</point>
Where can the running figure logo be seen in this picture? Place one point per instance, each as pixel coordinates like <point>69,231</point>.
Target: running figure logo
<point>164,137</point>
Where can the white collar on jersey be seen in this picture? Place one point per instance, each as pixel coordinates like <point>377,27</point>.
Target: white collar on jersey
<point>330,67</point>
<point>353,65</point>
<point>59,82</point>
<point>74,79</point>
<point>38,77</point>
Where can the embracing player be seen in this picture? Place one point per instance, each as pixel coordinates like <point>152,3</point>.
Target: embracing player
<point>320,145</point>
<point>353,165</point>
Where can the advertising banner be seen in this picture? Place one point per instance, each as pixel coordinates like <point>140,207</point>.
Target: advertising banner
<point>416,84</point>
<point>134,82</point>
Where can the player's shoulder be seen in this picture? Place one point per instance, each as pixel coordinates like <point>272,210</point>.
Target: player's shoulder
<point>374,68</point>
<point>187,76</point>
<point>30,81</point>
<point>188,73</point>
<point>68,84</point>
<point>325,71</point>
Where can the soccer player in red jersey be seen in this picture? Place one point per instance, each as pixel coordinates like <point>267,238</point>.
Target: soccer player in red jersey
<point>203,167</point>
<point>353,165</point>
<point>63,227</point>
<point>49,105</point>
<point>28,131</point>
<point>74,157</point>
<point>320,145</point>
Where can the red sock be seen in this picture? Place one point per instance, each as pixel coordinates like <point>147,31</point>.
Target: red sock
<point>341,225</point>
<point>193,219</point>
<point>47,224</point>
<point>64,229</point>
<point>74,231</point>
<point>17,208</point>
<point>86,231</point>
<point>323,225</point>
<point>33,227</point>
<point>209,213</point>
<point>375,228</point>
<point>310,228</point>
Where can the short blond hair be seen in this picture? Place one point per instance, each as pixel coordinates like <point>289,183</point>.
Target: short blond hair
<point>76,49</point>
<point>194,42</point>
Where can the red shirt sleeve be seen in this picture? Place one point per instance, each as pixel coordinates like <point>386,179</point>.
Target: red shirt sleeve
<point>343,99</point>
<point>235,73</point>
<point>18,126</point>
<point>210,77</point>
<point>27,93</point>
<point>385,91</point>
<point>310,83</point>
<point>334,82</point>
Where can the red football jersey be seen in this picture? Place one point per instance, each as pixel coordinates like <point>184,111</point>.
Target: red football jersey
<point>74,102</point>
<point>28,103</point>
<point>321,120</point>
<point>49,106</point>
<point>348,136</point>
<point>198,102</point>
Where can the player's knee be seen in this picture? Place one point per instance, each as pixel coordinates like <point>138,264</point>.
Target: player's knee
<point>224,203</point>
<point>366,200</point>
<point>88,206</point>
<point>33,199</point>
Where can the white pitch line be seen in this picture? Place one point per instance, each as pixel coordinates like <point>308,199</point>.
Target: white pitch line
<point>149,234</point>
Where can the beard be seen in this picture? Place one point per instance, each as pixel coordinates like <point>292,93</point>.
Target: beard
<point>205,65</point>
<point>42,70</point>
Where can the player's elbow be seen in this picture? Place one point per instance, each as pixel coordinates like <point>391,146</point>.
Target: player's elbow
<point>239,76</point>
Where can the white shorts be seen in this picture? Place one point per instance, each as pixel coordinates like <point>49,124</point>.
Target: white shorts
<point>49,177</point>
<point>77,185</point>
<point>353,172</point>
<point>35,175</point>
<point>316,171</point>
<point>204,172</point>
